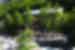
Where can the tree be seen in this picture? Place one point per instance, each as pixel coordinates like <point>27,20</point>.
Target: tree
<point>17,15</point>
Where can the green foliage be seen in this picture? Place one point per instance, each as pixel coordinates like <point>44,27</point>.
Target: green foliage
<point>25,40</point>
<point>49,20</point>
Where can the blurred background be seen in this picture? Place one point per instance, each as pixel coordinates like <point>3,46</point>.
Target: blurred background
<point>37,24</point>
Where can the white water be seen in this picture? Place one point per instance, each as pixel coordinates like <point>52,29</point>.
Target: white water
<point>8,43</point>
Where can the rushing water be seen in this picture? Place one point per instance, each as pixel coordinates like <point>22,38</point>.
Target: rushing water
<point>8,43</point>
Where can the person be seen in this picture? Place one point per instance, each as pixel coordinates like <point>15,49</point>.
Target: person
<point>36,24</point>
